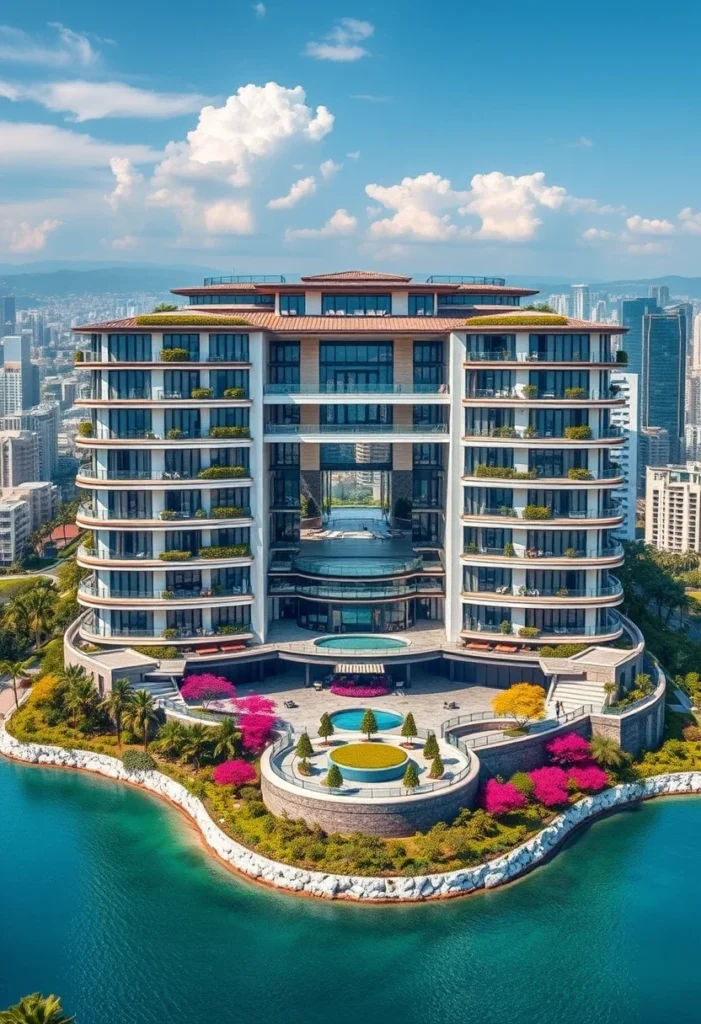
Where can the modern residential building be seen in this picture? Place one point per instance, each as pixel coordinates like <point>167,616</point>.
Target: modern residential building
<point>581,301</point>
<point>663,376</point>
<point>487,428</point>
<point>626,457</point>
<point>673,507</point>
<point>692,437</point>
<point>42,498</point>
<point>632,313</point>
<point>18,379</point>
<point>660,293</point>
<point>15,528</point>
<point>19,457</point>
<point>44,420</point>
<point>696,345</point>
<point>654,449</point>
<point>560,303</point>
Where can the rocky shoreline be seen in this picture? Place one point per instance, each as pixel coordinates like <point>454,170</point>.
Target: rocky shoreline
<point>358,888</point>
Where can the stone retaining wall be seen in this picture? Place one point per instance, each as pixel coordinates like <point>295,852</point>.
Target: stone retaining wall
<point>361,888</point>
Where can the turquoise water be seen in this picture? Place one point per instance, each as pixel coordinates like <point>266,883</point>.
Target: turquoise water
<point>352,717</point>
<point>108,899</point>
<point>360,643</point>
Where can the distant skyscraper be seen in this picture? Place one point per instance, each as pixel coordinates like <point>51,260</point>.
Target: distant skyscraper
<point>627,457</point>
<point>599,312</point>
<point>663,378</point>
<point>653,450</point>
<point>632,313</point>
<point>581,302</point>
<point>660,293</point>
<point>560,302</point>
<point>696,345</point>
<point>44,421</point>
<point>18,379</point>
<point>8,315</point>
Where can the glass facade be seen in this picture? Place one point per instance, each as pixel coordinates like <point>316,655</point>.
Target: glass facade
<point>346,368</point>
<point>352,304</point>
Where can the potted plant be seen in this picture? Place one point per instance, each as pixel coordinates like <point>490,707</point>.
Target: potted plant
<point>529,390</point>
<point>505,627</point>
<point>509,549</point>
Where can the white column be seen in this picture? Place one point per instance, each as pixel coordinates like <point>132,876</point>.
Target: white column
<point>259,487</point>
<point>454,490</point>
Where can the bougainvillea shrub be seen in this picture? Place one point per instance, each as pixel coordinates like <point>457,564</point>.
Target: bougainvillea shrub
<point>588,778</point>
<point>549,786</point>
<point>234,773</point>
<point>501,797</point>
<point>206,688</point>
<point>568,749</point>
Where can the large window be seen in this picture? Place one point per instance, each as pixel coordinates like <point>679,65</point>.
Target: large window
<point>351,369</point>
<point>554,383</point>
<point>560,348</point>
<point>129,504</point>
<point>421,305</point>
<point>553,422</point>
<point>490,346</point>
<point>190,342</point>
<point>549,543</point>
<point>560,621</point>
<point>284,364</point>
<point>234,416</point>
<point>427,488</point>
<point>562,504</point>
<point>483,422</point>
<point>429,372</point>
<point>129,383</point>
<point>292,304</point>
<point>128,348</point>
<point>428,415</point>
<point>183,464</point>
<point>126,465</point>
<point>352,304</point>
<point>488,383</point>
<point>551,462</point>
<point>131,584</point>
<point>223,380</point>
<point>179,383</point>
<point>232,299</point>
<point>130,544</point>
<point>230,457</point>
<point>182,422</point>
<point>502,458</point>
<point>355,414</point>
<point>228,348</point>
<point>284,455</point>
<point>472,299</point>
<point>126,423</point>
<point>427,455</point>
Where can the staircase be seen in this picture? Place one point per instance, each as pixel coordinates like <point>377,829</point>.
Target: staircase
<point>162,689</point>
<point>573,693</point>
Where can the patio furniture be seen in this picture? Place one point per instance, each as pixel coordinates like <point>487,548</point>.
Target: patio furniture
<point>207,650</point>
<point>318,685</point>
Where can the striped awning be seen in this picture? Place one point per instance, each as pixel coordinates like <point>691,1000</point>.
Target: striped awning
<point>362,668</point>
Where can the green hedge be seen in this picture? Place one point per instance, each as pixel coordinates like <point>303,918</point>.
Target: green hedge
<point>516,320</point>
<point>157,652</point>
<point>227,512</point>
<point>226,551</point>
<point>229,431</point>
<point>581,433</point>
<point>175,355</point>
<point>188,320</point>
<point>222,472</point>
<point>536,512</point>
<point>138,761</point>
<point>175,556</point>
<point>579,474</point>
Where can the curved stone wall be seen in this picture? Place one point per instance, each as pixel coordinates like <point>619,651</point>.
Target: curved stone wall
<point>391,817</point>
<point>361,888</point>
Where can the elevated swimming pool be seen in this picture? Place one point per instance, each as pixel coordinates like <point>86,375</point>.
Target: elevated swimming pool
<point>351,718</point>
<point>354,642</point>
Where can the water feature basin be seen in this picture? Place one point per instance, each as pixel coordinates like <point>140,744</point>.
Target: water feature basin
<point>369,762</point>
<point>350,719</point>
<point>354,643</point>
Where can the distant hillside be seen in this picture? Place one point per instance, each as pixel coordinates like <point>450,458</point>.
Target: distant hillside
<point>100,280</point>
<point>677,285</point>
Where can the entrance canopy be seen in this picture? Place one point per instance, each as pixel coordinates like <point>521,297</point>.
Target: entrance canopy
<point>364,668</point>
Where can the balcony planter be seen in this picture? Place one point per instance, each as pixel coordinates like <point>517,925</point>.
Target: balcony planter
<point>470,549</point>
<point>226,551</point>
<point>200,514</point>
<point>167,515</point>
<point>229,432</point>
<point>562,592</point>
<point>529,391</point>
<point>175,556</point>
<point>229,630</point>
<point>537,512</point>
<point>149,435</point>
<point>201,393</point>
<point>227,512</point>
<point>580,433</point>
<point>529,632</point>
<point>174,434</point>
<point>579,474</point>
<point>168,594</point>
<point>504,432</point>
<point>175,355</point>
<point>170,634</point>
<point>506,627</point>
<point>570,553</point>
<point>530,432</point>
<point>222,472</point>
<point>234,393</point>
<point>509,549</point>
<point>85,429</point>
<point>575,392</point>
<point>79,357</point>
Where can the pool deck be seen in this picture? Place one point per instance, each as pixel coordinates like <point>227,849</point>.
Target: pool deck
<point>425,699</point>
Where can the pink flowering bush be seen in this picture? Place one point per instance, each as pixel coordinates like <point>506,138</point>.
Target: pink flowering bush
<point>588,778</point>
<point>359,691</point>
<point>501,797</point>
<point>568,749</point>
<point>256,731</point>
<point>206,688</point>
<point>234,773</point>
<point>255,705</point>
<point>549,786</point>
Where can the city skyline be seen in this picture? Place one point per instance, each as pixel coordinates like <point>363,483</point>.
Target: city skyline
<point>114,147</point>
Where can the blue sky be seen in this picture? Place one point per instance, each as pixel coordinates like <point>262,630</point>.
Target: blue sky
<point>509,138</point>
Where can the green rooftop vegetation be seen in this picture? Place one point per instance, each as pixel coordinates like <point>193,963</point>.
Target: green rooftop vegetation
<point>518,319</point>
<point>188,320</point>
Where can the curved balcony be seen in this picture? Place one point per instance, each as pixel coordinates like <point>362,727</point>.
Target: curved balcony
<point>526,437</point>
<point>107,634</point>
<point>159,398</point>
<point>525,479</point>
<point>487,516</point>
<point>474,630</point>
<point>525,395</point>
<point>105,558</point>
<point>100,478</point>
<point>349,592</point>
<point>367,568</point>
<point>94,518</point>
<point>173,439</point>
<point>609,556</point>
<point>90,595</point>
<point>339,433</point>
<point>537,596</point>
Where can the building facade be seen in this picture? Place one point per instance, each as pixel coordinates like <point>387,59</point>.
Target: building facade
<point>479,438</point>
<point>19,457</point>
<point>44,421</point>
<point>673,507</point>
<point>15,527</point>
<point>626,457</point>
<point>663,376</point>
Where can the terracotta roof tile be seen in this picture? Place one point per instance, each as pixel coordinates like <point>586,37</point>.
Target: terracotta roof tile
<point>357,275</point>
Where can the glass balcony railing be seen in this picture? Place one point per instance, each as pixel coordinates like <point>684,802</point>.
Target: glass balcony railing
<point>514,513</point>
<point>531,434</point>
<point>161,394</point>
<point>386,429</point>
<point>611,625</point>
<point>368,591</point>
<point>90,589</point>
<point>611,551</point>
<point>223,632</point>
<point>518,394</point>
<point>166,515</point>
<point>243,433</point>
<point>357,567</point>
<point>99,473</point>
<point>564,593</point>
<point>346,388</point>
<point>510,356</point>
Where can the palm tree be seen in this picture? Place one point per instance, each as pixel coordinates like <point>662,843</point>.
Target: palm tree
<point>170,740</point>
<point>36,1009</point>
<point>117,701</point>
<point>80,697</point>
<point>14,669</point>
<point>41,605</point>
<point>16,613</point>
<point>227,740</point>
<point>141,714</point>
<point>607,752</point>
<point>197,743</point>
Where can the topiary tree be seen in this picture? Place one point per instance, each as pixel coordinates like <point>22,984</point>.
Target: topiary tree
<point>369,723</point>
<point>326,728</point>
<point>437,768</point>
<point>431,747</point>
<point>304,768</point>
<point>524,702</point>
<point>304,746</point>
<point>409,729</point>
<point>411,776</point>
<point>334,779</point>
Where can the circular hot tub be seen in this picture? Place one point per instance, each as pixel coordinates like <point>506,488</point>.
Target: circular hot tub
<point>369,762</point>
<point>353,642</point>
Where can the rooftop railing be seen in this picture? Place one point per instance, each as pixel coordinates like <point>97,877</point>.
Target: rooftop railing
<point>366,567</point>
<point>464,279</point>
<point>245,279</point>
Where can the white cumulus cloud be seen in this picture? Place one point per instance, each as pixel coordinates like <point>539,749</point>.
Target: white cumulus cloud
<point>340,223</point>
<point>597,235</point>
<point>342,43</point>
<point>690,221</point>
<point>21,236</point>
<point>417,204</point>
<point>228,218</point>
<point>646,226</point>
<point>299,191</point>
<point>65,48</point>
<point>329,169</point>
<point>126,180</point>
<point>253,124</point>
<point>507,204</point>
<point>28,146</point>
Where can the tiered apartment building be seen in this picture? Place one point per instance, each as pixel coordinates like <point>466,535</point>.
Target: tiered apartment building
<point>218,433</point>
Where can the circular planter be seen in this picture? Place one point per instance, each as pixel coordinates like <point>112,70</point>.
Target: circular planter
<point>369,762</point>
